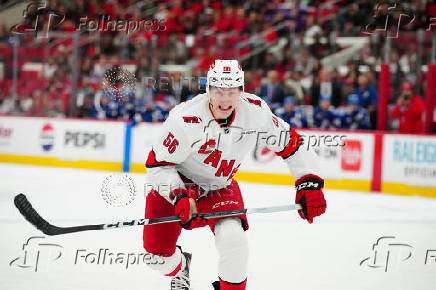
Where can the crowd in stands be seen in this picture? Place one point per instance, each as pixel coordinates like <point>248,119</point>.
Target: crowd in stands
<point>288,75</point>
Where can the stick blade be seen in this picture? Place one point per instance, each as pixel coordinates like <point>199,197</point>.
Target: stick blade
<point>29,213</point>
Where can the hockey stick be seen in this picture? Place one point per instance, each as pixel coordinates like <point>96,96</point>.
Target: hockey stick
<point>41,224</point>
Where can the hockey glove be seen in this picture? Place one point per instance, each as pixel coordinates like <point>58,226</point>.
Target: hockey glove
<point>310,197</point>
<point>186,207</point>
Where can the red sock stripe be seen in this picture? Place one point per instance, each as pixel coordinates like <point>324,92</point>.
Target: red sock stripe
<point>173,273</point>
<point>224,285</point>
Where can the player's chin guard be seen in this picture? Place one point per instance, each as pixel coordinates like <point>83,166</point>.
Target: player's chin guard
<point>310,197</point>
<point>184,203</point>
<point>225,73</point>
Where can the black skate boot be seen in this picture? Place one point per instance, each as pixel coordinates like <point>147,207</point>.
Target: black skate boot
<point>216,285</point>
<point>181,280</point>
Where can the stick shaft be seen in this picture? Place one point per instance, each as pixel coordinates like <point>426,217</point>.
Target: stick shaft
<point>31,215</point>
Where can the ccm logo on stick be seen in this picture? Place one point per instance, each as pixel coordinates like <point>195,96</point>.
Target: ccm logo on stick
<point>223,203</point>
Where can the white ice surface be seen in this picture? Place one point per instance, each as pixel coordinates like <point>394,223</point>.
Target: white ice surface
<point>285,251</point>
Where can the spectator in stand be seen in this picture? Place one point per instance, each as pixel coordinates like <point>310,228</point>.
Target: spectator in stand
<point>26,104</point>
<point>9,105</point>
<point>178,87</point>
<point>224,21</point>
<point>163,108</point>
<point>269,63</point>
<point>144,109</point>
<point>86,109</point>
<point>318,49</point>
<point>349,29</point>
<point>347,87</point>
<point>192,90</point>
<point>143,70</point>
<point>147,114</point>
<point>294,116</point>
<point>57,109</point>
<point>327,86</point>
<point>305,62</point>
<point>50,68</point>
<point>126,106</point>
<point>4,33</point>
<point>107,107</point>
<point>355,117</point>
<point>325,116</point>
<point>409,109</point>
<point>292,83</point>
<point>367,97</point>
<point>312,27</point>
<point>272,89</point>
<point>287,63</point>
<point>241,20</point>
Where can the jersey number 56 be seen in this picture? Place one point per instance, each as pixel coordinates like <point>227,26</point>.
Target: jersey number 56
<point>171,143</point>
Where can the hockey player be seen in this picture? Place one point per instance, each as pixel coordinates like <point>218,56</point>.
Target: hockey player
<point>192,164</point>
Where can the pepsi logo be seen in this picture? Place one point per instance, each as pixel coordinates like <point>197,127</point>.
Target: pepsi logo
<point>47,137</point>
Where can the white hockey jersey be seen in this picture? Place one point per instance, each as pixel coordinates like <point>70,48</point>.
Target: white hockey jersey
<point>193,144</point>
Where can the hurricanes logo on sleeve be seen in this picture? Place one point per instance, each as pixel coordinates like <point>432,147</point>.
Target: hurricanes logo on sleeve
<point>256,102</point>
<point>191,119</point>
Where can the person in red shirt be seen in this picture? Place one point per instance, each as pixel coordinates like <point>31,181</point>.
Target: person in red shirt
<point>409,109</point>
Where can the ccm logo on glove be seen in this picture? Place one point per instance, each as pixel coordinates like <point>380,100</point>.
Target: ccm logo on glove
<point>307,185</point>
<point>310,197</point>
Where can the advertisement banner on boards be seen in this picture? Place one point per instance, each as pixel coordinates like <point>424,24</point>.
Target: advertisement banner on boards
<point>409,159</point>
<point>66,139</point>
<point>341,155</point>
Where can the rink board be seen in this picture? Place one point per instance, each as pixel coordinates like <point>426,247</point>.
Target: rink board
<point>411,160</point>
<point>62,142</point>
<point>396,163</point>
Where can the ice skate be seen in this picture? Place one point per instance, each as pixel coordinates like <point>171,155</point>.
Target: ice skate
<point>181,280</point>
